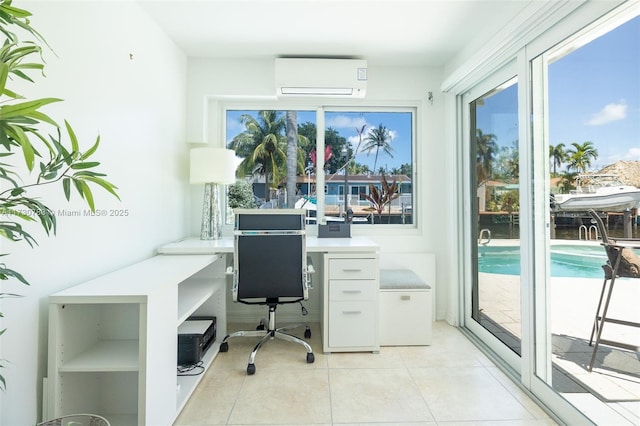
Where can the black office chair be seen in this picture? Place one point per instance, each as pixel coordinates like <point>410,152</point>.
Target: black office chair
<point>270,268</point>
<point>622,262</point>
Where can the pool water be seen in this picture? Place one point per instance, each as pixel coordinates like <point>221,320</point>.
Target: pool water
<point>566,260</point>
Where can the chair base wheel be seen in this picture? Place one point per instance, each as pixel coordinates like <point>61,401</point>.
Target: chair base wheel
<point>251,369</point>
<point>224,347</point>
<point>310,358</point>
<point>307,333</point>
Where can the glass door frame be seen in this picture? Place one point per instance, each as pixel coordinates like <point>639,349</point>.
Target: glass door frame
<point>470,210</point>
<point>532,371</point>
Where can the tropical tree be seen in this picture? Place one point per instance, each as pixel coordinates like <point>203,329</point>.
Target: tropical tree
<point>557,155</point>
<point>383,196</point>
<point>292,156</point>
<point>566,184</point>
<point>378,139</point>
<point>509,201</point>
<point>486,148</point>
<point>240,194</point>
<point>262,146</point>
<point>507,163</point>
<point>358,169</point>
<point>581,155</point>
<point>404,169</point>
<point>332,139</point>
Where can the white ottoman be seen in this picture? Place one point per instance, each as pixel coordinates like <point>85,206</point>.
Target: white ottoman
<point>405,308</point>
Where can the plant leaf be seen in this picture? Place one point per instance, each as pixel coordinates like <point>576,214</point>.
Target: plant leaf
<point>75,148</point>
<point>88,195</point>
<point>24,108</point>
<point>66,186</point>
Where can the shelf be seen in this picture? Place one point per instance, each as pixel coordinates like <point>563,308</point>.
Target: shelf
<point>106,355</point>
<point>193,292</point>
<point>187,384</point>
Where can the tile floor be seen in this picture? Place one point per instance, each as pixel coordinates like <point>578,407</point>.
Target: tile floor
<point>448,383</point>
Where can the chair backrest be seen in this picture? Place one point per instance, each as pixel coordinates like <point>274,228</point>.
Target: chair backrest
<point>629,260</point>
<point>602,230</point>
<point>270,261</point>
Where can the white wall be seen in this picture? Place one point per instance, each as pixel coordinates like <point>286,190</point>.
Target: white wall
<point>212,83</point>
<point>122,78</point>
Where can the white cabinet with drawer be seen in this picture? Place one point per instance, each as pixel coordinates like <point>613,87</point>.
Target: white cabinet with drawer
<point>350,321</point>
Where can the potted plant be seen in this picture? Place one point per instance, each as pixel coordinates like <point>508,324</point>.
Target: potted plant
<point>51,152</point>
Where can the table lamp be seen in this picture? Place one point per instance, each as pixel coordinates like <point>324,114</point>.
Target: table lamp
<point>213,167</point>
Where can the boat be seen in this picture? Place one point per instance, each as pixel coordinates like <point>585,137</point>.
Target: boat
<point>601,192</point>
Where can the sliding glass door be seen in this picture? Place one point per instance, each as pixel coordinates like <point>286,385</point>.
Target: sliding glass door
<point>588,91</point>
<point>492,296</point>
<point>535,132</point>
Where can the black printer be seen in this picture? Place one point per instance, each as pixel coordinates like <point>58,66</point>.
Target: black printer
<point>195,336</point>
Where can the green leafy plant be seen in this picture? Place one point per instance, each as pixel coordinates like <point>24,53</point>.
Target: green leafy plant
<point>241,195</point>
<point>380,198</point>
<point>48,158</point>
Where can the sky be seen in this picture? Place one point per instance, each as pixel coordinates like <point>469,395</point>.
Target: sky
<point>593,94</point>
<point>346,123</point>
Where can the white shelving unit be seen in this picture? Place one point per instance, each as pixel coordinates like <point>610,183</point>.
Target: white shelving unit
<point>113,339</point>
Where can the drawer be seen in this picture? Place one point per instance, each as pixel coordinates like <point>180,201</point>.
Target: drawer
<point>353,268</point>
<point>405,317</point>
<point>352,324</point>
<point>352,290</point>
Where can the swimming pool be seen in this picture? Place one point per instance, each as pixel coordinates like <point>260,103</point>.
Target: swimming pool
<point>567,260</point>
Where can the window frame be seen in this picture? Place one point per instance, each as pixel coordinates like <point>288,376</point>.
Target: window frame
<point>321,109</point>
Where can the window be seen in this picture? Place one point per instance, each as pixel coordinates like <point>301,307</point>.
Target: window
<point>368,153</point>
<point>495,294</point>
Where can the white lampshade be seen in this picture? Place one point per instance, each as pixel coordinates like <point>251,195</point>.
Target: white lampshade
<point>213,165</point>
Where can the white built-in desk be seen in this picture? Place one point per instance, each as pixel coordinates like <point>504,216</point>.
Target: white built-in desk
<point>314,245</point>
<point>113,339</point>
<point>350,284</point>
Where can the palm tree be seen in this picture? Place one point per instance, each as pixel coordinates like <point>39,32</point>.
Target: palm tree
<point>580,156</point>
<point>486,148</point>
<point>262,146</point>
<point>378,138</point>
<point>557,155</point>
<point>292,156</point>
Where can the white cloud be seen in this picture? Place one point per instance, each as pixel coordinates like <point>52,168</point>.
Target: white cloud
<point>343,122</point>
<point>611,112</point>
<point>633,154</point>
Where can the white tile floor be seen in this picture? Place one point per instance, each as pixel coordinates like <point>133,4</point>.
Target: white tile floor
<point>448,383</point>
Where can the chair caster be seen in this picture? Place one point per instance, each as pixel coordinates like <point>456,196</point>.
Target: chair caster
<point>261,326</point>
<point>310,358</point>
<point>307,333</point>
<point>251,369</point>
<point>224,347</point>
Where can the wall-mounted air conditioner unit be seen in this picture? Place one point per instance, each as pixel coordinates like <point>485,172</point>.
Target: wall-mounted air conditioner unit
<point>344,78</point>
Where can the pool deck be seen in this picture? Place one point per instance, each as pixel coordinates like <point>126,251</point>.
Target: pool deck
<point>612,389</point>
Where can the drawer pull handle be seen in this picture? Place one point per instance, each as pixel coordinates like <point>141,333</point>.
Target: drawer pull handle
<point>351,312</point>
<point>405,297</point>
<point>352,291</point>
<point>352,270</point>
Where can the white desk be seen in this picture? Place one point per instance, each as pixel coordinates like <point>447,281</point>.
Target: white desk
<point>350,287</point>
<point>314,245</point>
<point>112,339</point>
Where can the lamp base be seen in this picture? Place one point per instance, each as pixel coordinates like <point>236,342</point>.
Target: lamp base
<point>211,228</point>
